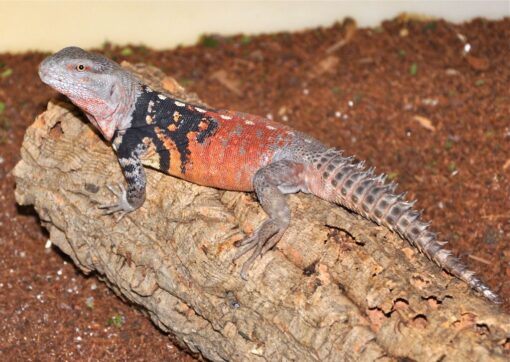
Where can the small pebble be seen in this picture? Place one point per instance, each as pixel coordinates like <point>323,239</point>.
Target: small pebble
<point>451,71</point>
<point>430,101</point>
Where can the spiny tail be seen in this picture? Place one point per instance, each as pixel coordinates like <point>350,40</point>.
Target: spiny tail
<point>350,184</point>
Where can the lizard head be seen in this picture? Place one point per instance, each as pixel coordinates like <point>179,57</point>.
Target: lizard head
<point>96,84</point>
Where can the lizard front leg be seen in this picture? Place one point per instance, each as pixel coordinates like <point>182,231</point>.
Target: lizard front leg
<point>132,168</point>
<point>271,183</point>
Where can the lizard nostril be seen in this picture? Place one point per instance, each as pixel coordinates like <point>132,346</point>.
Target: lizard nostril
<point>43,70</point>
<point>42,73</point>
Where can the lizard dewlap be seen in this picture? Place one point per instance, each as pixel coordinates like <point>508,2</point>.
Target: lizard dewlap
<point>232,151</point>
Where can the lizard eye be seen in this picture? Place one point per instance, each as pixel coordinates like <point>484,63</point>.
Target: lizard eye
<point>80,67</point>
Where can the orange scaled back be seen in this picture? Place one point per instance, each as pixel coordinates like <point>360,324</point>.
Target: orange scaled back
<point>229,159</point>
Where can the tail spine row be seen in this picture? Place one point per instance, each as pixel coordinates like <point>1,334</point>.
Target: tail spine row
<point>350,184</point>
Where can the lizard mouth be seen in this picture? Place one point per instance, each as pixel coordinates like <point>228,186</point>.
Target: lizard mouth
<point>54,81</point>
<point>49,79</point>
<point>43,71</point>
<point>44,75</point>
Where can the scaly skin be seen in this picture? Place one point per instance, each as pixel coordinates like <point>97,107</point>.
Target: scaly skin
<point>232,151</point>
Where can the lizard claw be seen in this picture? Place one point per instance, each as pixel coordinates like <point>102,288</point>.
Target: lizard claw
<point>122,206</point>
<point>264,238</point>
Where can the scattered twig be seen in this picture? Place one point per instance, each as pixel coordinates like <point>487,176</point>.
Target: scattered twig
<point>326,65</point>
<point>228,82</point>
<point>506,165</point>
<point>493,217</point>
<point>350,27</point>
<point>481,260</point>
<point>425,123</point>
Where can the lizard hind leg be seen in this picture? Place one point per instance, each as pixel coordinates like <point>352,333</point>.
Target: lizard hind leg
<point>271,183</point>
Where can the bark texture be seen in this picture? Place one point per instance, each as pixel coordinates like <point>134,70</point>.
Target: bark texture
<point>336,288</point>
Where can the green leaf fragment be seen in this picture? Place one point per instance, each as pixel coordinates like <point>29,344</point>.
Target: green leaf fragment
<point>413,69</point>
<point>116,321</point>
<point>209,41</point>
<point>246,39</point>
<point>89,302</point>
<point>392,175</point>
<point>126,52</point>
<point>430,26</point>
<point>6,73</point>
<point>2,107</point>
<point>479,82</point>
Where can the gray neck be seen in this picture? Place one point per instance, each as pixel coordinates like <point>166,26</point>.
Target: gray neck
<point>115,112</point>
<point>130,90</point>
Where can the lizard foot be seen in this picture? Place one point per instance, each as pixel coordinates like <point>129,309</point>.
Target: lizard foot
<point>122,206</point>
<point>262,240</point>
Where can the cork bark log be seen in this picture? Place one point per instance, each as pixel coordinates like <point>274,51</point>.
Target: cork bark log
<point>337,287</point>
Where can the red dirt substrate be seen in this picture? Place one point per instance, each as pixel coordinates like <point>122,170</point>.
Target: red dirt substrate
<point>403,96</point>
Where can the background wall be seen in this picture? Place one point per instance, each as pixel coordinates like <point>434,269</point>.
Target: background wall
<point>45,25</point>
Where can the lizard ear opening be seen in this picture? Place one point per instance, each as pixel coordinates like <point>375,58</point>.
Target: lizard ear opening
<point>113,88</point>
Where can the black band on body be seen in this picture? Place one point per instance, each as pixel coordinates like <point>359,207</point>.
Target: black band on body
<point>157,115</point>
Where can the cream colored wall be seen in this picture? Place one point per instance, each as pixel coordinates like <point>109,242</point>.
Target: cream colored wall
<point>44,25</point>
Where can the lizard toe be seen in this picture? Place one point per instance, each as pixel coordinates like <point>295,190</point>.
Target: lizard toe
<point>264,238</point>
<point>121,206</point>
